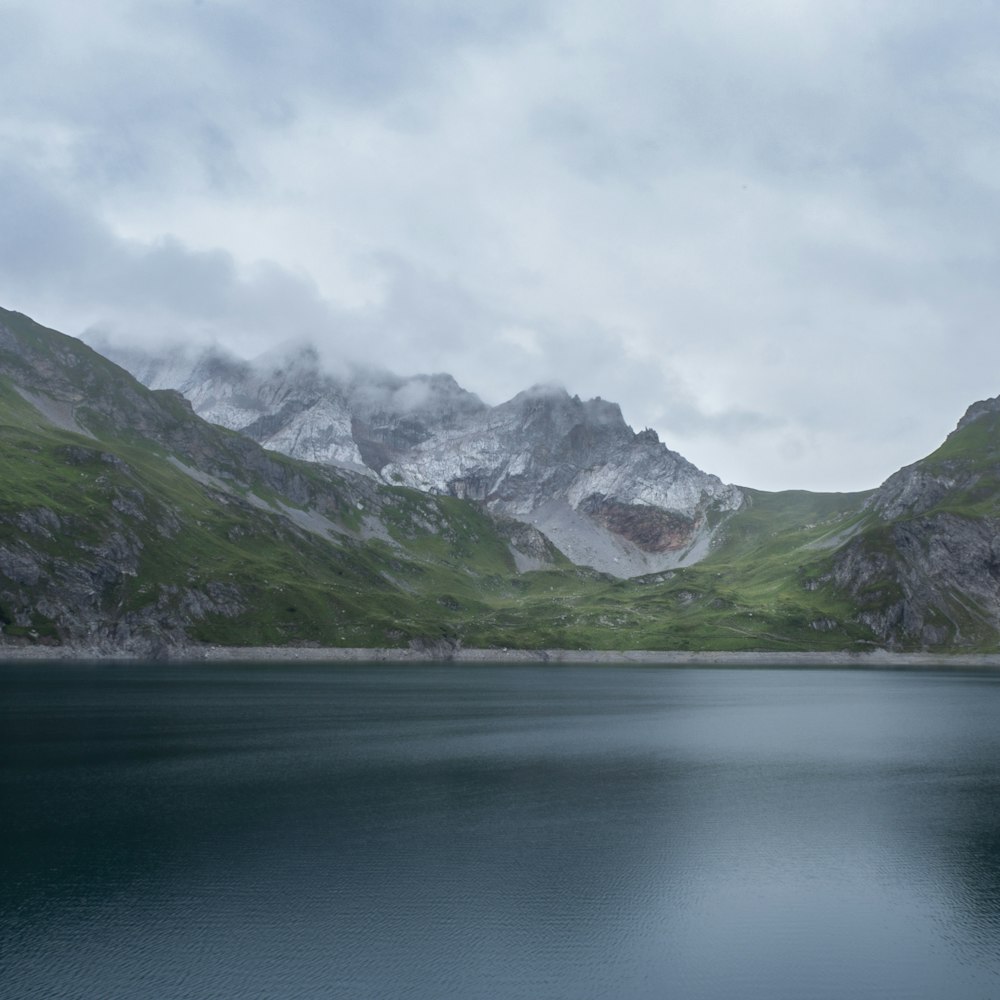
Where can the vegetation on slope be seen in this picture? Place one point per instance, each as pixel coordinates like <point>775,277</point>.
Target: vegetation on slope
<point>925,572</point>
<point>125,520</point>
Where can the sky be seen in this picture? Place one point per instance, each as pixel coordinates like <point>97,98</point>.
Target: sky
<point>769,229</point>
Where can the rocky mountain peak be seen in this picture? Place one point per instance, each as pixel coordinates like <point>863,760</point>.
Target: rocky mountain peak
<point>435,398</point>
<point>131,524</point>
<point>552,396</point>
<point>978,410</point>
<point>574,469</point>
<point>969,459</point>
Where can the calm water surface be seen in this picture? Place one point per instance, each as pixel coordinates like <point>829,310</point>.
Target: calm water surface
<point>518,832</point>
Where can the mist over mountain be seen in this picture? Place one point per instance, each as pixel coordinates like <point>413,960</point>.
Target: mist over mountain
<point>609,498</point>
<point>130,524</point>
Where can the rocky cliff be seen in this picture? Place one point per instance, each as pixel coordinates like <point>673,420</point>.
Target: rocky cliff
<point>128,523</point>
<point>609,498</point>
<point>926,569</point>
<point>359,420</point>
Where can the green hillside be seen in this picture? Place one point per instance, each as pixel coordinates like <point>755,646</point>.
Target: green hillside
<point>128,522</point>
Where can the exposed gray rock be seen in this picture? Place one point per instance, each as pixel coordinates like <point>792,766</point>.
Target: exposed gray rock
<point>530,549</point>
<point>612,499</point>
<point>823,624</point>
<point>980,409</point>
<point>284,402</point>
<point>21,565</point>
<point>928,580</point>
<point>59,413</point>
<point>913,490</point>
<point>39,521</point>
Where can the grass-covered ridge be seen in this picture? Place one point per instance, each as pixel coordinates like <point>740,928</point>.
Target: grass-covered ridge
<point>126,518</point>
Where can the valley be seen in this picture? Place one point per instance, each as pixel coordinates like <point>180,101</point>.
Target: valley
<point>135,519</point>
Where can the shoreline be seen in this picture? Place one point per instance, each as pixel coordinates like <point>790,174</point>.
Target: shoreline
<point>875,659</point>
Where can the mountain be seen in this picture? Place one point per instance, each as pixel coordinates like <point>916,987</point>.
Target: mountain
<point>926,569</point>
<point>609,498</point>
<point>283,401</point>
<point>129,523</point>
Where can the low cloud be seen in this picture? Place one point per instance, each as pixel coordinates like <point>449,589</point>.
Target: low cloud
<point>766,231</point>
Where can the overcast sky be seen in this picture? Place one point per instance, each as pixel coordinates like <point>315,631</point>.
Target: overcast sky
<point>769,229</point>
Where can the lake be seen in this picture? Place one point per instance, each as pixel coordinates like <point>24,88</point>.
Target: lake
<point>530,832</point>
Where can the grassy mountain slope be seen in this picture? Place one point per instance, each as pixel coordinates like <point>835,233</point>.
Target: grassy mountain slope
<point>128,522</point>
<point>926,570</point>
<point>125,518</point>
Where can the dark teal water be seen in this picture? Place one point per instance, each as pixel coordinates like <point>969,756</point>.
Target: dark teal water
<point>518,832</point>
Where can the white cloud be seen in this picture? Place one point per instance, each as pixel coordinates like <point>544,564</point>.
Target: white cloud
<point>767,230</point>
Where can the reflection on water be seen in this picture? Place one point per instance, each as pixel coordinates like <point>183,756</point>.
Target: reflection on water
<point>515,832</point>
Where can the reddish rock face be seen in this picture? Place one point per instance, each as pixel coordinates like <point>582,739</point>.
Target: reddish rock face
<point>650,528</point>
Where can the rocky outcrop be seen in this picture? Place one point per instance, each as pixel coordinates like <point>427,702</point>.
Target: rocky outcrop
<point>913,491</point>
<point>649,528</point>
<point>609,498</point>
<point>529,548</point>
<point>612,499</point>
<point>926,569</point>
<point>283,400</point>
<point>930,581</point>
<point>106,561</point>
<point>127,523</point>
<point>983,408</point>
<point>62,580</point>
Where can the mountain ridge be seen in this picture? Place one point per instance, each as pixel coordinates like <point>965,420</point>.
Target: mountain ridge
<point>128,523</point>
<point>610,498</point>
